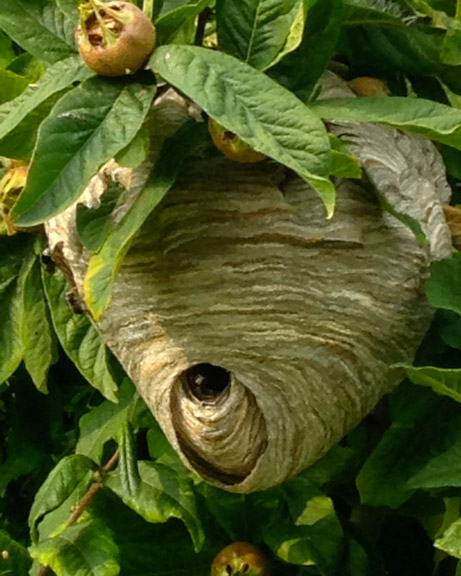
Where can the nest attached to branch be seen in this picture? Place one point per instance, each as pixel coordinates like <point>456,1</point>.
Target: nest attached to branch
<point>258,332</point>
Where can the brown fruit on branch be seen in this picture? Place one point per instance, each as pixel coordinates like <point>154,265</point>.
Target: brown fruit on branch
<point>240,559</point>
<point>231,145</point>
<point>114,38</point>
<point>367,86</point>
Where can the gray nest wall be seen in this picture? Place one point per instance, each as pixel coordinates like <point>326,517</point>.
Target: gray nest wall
<point>258,332</point>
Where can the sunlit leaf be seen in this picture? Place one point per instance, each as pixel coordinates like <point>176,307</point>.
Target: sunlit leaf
<point>15,560</point>
<point>300,70</point>
<point>127,466</point>
<point>103,423</point>
<point>87,127</point>
<point>255,31</point>
<point>104,265</point>
<point>79,337</point>
<point>39,27</point>
<point>450,541</point>
<point>436,121</point>
<point>28,106</point>
<point>61,482</point>
<point>86,548</point>
<point>162,494</point>
<point>169,24</point>
<point>278,124</point>
<point>444,381</point>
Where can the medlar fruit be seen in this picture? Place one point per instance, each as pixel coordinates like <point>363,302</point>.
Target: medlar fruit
<point>367,86</point>
<point>240,559</point>
<point>114,38</point>
<point>231,145</point>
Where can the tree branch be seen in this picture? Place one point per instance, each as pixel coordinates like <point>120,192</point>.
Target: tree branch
<point>201,25</point>
<point>93,489</point>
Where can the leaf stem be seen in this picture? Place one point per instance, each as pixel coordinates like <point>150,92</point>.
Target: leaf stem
<point>201,25</point>
<point>148,8</point>
<point>95,486</point>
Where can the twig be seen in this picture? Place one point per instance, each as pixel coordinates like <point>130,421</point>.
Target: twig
<point>202,20</point>
<point>148,8</point>
<point>93,489</point>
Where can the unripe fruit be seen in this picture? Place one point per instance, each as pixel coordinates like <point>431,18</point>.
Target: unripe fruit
<point>367,86</point>
<point>231,145</point>
<point>114,38</point>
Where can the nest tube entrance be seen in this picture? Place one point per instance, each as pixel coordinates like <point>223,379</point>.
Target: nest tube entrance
<point>219,426</point>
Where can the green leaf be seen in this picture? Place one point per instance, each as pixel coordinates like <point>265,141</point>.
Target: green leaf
<point>17,562</point>
<point>19,142</point>
<point>93,224</point>
<point>442,289</point>
<point>357,562</point>
<point>136,151</point>
<point>154,549</point>
<point>440,472</point>
<point>278,125</point>
<point>61,482</point>
<point>300,70</point>
<point>162,494</point>
<point>424,427</point>
<point>311,534</point>
<point>86,549</point>
<point>169,24</point>
<point>39,27</point>
<point>70,9</point>
<point>436,121</point>
<point>450,328</point>
<point>127,467</point>
<point>388,12</point>
<point>79,337</point>
<point>38,335</point>
<point>20,111</point>
<point>255,31</point>
<point>7,53</point>
<point>343,164</point>
<point>16,255</point>
<point>230,510</point>
<point>102,117</point>
<point>104,265</point>
<point>307,504</point>
<point>451,49</point>
<point>26,65</point>
<point>452,160</point>
<point>412,223</point>
<point>450,541</point>
<point>11,85</point>
<point>442,380</point>
<point>104,422</point>
<point>333,466</point>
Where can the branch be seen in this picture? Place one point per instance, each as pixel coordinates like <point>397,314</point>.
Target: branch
<point>148,8</point>
<point>201,25</point>
<point>93,489</point>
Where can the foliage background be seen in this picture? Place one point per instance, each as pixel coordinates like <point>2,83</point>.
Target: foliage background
<point>384,501</point>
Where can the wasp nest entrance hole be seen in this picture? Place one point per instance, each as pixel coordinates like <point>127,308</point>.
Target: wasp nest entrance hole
<point>205,381</point>
<point>219,426</point>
